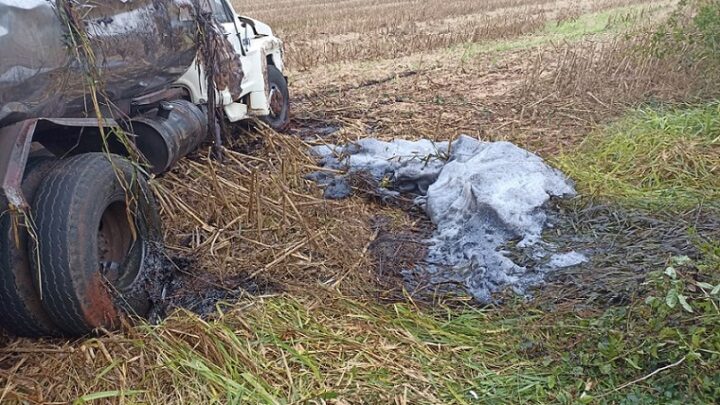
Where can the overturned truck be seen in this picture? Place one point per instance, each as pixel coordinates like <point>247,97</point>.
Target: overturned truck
<point>94,96</point>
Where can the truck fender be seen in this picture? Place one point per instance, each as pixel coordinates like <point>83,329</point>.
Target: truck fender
<point>275,58</point>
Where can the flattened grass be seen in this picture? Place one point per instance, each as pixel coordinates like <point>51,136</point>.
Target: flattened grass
<point>289,350</point>
<point>338,350</point>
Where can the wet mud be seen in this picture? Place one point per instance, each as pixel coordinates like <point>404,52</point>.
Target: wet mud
<point>396,251</point>
<point>312,129</point>
<point>624,245</point>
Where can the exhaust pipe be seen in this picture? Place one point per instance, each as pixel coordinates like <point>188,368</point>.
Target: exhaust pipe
<point>168,133</point>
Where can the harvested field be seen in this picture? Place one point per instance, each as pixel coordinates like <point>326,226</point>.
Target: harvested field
<point>279,296</point>
<point>322,32</point>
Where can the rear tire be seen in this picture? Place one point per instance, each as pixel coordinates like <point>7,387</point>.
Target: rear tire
<point>279,118</point>
<point>92,241</point>
<point>23,312</point>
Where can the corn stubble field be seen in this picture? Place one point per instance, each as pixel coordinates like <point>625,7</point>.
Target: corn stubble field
<point>322,316</point>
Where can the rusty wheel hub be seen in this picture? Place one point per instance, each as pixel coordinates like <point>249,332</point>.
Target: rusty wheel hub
<point>114,240</point>
<point>277,101</point>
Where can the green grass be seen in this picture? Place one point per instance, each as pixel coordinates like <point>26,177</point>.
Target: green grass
<point>607,21</point>
<point>288,350</point>
<point>594,23</point>
<point>657,158</point>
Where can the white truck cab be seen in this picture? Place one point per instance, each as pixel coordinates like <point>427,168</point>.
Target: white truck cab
<point>264,86</point>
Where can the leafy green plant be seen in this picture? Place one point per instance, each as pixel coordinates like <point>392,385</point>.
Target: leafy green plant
<point>693,30</point>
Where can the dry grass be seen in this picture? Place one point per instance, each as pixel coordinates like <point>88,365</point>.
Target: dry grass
<point>257,215</point>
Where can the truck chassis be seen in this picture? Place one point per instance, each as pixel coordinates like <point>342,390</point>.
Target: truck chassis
<point>79,221</point>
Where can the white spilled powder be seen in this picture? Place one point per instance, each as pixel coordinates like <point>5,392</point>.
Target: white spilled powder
<point>479,195</point>
<point>413,165</point>
<point>564,260</point>
<point>23,4</point>
<point>496,178</point>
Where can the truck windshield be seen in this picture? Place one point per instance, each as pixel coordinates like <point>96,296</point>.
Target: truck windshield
<point>221,12</point>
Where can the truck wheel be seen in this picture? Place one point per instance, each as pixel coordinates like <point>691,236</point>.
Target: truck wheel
<point>96,220</point>
<point>279,118</point>
<point>23,313</point>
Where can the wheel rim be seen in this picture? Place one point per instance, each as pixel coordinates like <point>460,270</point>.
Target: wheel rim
<point>115,239</point>
<point>277,101</point>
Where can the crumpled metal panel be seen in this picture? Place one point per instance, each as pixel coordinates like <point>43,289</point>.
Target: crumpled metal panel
<point>140,46</point>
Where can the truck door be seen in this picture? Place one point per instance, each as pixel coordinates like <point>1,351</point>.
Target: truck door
<point>225,17</point>
<point>251,56</point>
